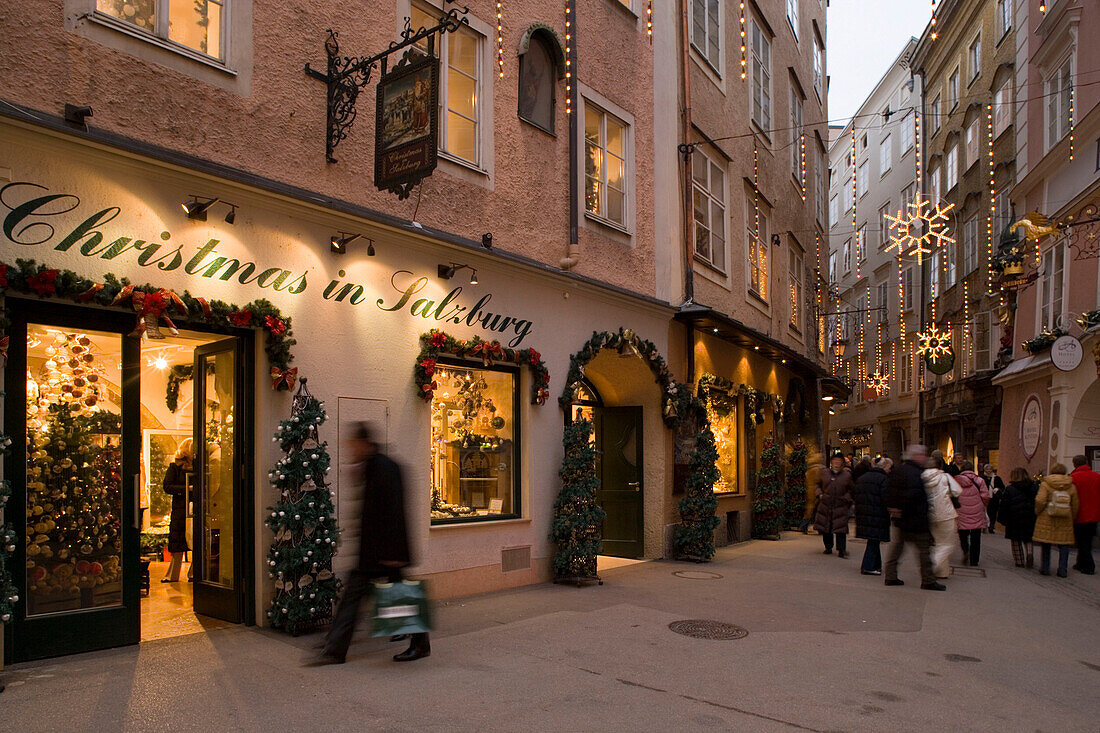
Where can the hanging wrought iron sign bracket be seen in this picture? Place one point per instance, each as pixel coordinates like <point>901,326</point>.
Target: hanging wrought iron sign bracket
<point>345,76</point>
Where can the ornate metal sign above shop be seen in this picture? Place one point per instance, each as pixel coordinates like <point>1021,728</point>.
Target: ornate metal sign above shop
<point>407,124</point>
<point>1031,426</point>
<point>1066,353</point>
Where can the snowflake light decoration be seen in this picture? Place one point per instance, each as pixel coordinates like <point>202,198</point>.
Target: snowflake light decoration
<point>879,382</point>
<point>919,229</point>
<point>934,343</point>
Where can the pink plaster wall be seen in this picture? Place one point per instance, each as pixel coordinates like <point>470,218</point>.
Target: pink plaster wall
<point>271,120</point>
<point>1012,406</point>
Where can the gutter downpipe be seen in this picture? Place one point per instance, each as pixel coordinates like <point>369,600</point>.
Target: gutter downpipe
<point>573,252</point>
<point>685,63</point>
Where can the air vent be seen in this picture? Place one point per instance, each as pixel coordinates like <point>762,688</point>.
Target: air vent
<point>515,558</point>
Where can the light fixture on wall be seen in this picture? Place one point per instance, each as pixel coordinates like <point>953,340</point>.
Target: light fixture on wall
<point>827,398</point>
<point>446,272</point>
<point>231,217</point>
<point>338,243</point>
<point>196,208</point>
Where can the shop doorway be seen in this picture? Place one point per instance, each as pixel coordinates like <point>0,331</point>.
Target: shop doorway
<point>105,415</point>
<point>619,439</point>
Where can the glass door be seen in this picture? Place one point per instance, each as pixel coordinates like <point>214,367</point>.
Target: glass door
<point>72,412</point>
<point>218,528</point>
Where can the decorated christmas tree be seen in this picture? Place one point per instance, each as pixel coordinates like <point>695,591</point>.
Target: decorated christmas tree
<point>300,558</point>
<point>8,538</point>
<point>767,505</point>
<point>577,516</point>
<point>694,539</point>
<point>795,503</point>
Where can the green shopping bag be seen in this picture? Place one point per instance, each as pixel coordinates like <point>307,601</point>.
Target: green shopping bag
<point>400,608</point>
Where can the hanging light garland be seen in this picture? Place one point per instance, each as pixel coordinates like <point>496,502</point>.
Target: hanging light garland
<point>568,59</point>
<point>992,200</point>
<point>817,293</point>
<point>1071,103</point>
<point>500,41</point>
<point>649,20</point>
<point>967,335</point>
<point>1043,8</point>
<point>935,35</point>
<point>802,158</point>
<point>934,343</point>
<point>744,58</point>
<point>756,204</point>
<point>855,192</point>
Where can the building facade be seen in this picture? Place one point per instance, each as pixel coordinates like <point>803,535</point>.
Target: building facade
<point>966,62</point>
<point>743,196</point>
<point>278,240</point>
<point>1051,408</point>
<point>873,328</point>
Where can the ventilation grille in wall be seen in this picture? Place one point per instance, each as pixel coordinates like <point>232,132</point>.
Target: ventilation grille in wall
<point>515,558</point>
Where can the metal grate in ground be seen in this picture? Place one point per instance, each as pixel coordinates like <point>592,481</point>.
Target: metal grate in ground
<point>702,629</point>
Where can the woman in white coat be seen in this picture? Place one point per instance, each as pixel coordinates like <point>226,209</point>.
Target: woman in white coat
<point>941,489</point>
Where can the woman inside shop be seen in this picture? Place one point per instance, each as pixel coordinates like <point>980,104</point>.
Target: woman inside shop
<point>177,482</point>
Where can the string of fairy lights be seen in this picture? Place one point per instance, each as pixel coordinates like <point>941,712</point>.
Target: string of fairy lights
<point>568,59</point>
<point>500,40</point>
<point>744,39</point>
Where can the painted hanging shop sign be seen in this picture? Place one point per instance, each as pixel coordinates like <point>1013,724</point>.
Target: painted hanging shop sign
<point>407,125</point>
<point>36,218</point>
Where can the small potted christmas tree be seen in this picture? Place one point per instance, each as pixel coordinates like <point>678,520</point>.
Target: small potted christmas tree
<point>694,539</point>
<point>577,516</point>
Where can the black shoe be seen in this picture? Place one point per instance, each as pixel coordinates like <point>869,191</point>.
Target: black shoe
<point>323,659</point>
<point>1044,572</point>
<point>827,552</point>
<point>842,555</point>
<point>412,654</point>
<point>933,586</point>
<point>870,572</point>
<point>894,581</point>
<point>1087,572</point>
<point>1062,574</point>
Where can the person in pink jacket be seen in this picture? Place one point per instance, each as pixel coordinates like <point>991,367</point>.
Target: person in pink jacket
<point>972,520</point>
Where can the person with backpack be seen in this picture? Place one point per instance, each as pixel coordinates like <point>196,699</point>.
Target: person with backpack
<point>1017,514</point>
<point>972,520</point>
<point>1056,507</point>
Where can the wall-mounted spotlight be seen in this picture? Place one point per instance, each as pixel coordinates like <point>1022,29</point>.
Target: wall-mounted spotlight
<point>338,243</point>
<point>76,115</point>
<point>446,272</point>
<point>196,208</point>
<point>232,215</point>
<point>487,240</point>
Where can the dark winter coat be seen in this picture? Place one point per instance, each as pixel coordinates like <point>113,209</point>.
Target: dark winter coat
<point>907,494</point>
<point>175,484</point>
<point>834,502</point>
<point>383,536</point>
<point>1017,510</point>
<point>872,517</point>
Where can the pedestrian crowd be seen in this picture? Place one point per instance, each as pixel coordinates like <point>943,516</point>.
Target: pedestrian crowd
<point>943,508</point>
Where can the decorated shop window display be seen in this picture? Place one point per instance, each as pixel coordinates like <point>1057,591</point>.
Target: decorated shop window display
<point>720,398</point>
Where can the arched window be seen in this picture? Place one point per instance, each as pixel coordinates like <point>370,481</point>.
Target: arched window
<point>537,75</point>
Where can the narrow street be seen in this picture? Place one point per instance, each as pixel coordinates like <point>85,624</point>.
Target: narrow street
<point>827,650</point>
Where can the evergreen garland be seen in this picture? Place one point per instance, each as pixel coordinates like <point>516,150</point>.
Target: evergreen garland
<point>694,538</point>
<point>767,505</point>
<point>577,516</point>
<point>795,504</point>
<point>8,537</point>
<point>435,343</point>
<point>303,520</point>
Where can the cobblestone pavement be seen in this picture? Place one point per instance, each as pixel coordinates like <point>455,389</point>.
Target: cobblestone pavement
<point>827,650</point>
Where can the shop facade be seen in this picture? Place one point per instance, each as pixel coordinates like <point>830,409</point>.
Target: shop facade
<point>479,437</point>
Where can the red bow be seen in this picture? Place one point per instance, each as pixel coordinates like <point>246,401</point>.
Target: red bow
<point>438,339</point>
<point>535,356</point>
<point>90,292</point>
<point>542,395</point>
<point>205,305</point>
<point>488,350</point>
<point>44,282</point>
<point>428,390</point>
<point>242,317</point>
<point>4,341</point>
<point>274,325</point>
<point>150,309</point>
<point>428,365</point>
<point>283,379</point>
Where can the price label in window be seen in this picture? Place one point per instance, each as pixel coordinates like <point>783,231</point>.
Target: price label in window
<point>496,506</point>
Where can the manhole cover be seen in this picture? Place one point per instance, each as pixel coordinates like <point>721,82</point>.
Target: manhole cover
<point>700,629</point>
<point>697,575</point>
<point>966,571</point>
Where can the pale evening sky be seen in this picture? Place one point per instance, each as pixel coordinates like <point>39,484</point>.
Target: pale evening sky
<point>864,37</point>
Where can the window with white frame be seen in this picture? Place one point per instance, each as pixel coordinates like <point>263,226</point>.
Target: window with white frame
<point>706,29</point>
<point>1003,207</point>
<point>1004,16</point>
<point>884,225</point>
<point>934,114</point>
<point>934,184</point>
<point>908,196</point>
<point>983,348</point>
<point>460,82</point>
<point>970,245</point>
<point>953,90</point>
<point>907,132</point>
<point>794,276</point>
<point>951,172</point>
<point>757,249</point>
<point>198,25</point>
<point>1057,87</point>
<point>796,132</point>
<point>863,181</point>
<point>1002,106</point>
<point>885,155</point>
<point>972,144</point>
<point>935,273</point>
<point>832,267</point>
<point>605,165</point>
<point>882,298</point>
<point>761,78</point>
<point>1051,303</point>
<point>861,314</point>
<point>905,369</point>
<point>792,16</point>
<point>974,57</point>
<point>818,68</point>
<point>834,210</point>
<point>907,287</point>
<point>847,256</point>
<point>861,243</point>
<point>708,179</point>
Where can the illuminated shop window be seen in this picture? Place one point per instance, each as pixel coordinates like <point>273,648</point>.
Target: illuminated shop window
<point>722,412</point>
<point>473,444</point>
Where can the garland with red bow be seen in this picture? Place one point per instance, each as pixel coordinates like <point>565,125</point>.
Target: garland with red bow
<point>436,343</point>
<point>151,305</point>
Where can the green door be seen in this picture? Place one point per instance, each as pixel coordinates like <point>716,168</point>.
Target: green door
<point>619,439</point>
<point>74,473</point>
